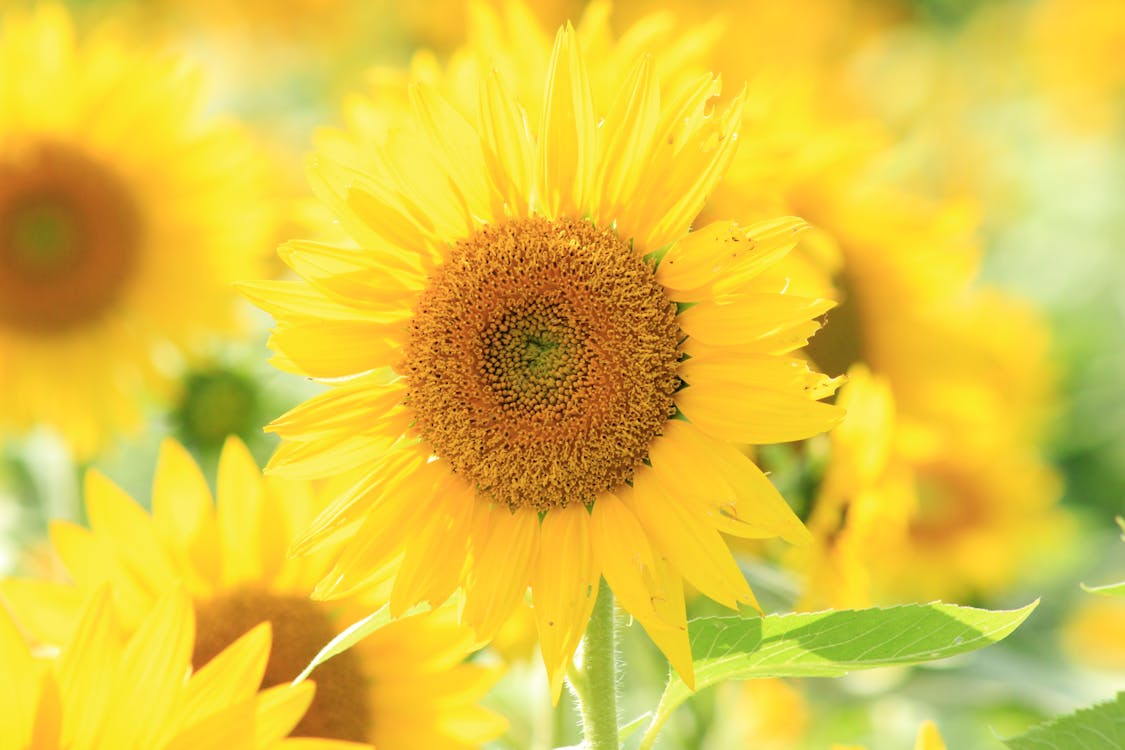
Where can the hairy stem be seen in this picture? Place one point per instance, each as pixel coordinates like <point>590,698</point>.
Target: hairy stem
<point>595,681</point>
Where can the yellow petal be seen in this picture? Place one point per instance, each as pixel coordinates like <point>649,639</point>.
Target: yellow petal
<point>152,673</point>
<point>91,560</point>
<point>640,578</point>
<point>239,489</point>
<point>509,150</point>
<point>280,708</point>
<point>88,660</point>
<point>689,542</point>
<point>47,730</point>
<point>457,149</point>
<point>47,610</point>
<point>336,348</point>
<point>564,587</point>
<point>353,504</point>
<point>735,494</point>
<point>435,552</point>
<point>745,318</point>
<point>22,683</point>
<point>230,728</point>
<point>349,271</point>
<point>692,182</point>
<point>184,512</point>
<point>377,285</point>
<point>398,513</point>
<point>630,127</point>
<point>316,459</point>
<point>116,518</point>
<point>722,248</point>
<point>344,409</point>
<point>755,415</point>
<point>929,738</point>
<point>299,301</point>
<point>230,677</point>
<point>731,367</point>
<point>505,544</point>
<point>567,132</point>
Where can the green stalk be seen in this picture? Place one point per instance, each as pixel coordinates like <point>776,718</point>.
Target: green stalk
<point>594,682</point>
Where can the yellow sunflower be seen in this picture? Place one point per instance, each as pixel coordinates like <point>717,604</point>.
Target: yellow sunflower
<point>1075,49</point>
<point>964,366</point>
<point>405,686</point>
<point>908,510</point>
<point>538,365</point>
<point>124,216</point>
<point>88,695</point>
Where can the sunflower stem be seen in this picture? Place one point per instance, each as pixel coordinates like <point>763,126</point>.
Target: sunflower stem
<point>595,685</point>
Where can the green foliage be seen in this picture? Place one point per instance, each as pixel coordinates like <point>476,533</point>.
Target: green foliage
<point>1110,589</point>
<point>831,643</point>
<point>1100,727</point>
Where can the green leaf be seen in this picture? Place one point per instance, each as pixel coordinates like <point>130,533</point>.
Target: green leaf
<point>353,634</point>
<point>627,730</point>
<point>1100,727</point>
<point>831,643</point>
<point>1110,589</point>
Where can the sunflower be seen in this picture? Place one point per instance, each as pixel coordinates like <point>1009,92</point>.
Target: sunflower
<point>1073,47</point>
<point>907,510</point>
<point>87,695</point>
<point>540,369</point>
<point>124,216</point>
<point>929,738</point>
<point>963,367</point>
<point>405,686</point>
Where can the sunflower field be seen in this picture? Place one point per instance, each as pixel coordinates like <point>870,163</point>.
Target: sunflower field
<point>535,374</point>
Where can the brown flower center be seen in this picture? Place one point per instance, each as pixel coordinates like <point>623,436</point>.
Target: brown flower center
<point>542,361</point>
<point>301,628</point>
<point>840,343</point>
<point>69,238</point>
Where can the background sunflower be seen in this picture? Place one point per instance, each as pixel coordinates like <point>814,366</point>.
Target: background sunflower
<point>124,216</point>
<point>404,687</point>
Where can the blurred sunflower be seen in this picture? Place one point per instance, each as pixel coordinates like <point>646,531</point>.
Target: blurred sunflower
<point>405,686</point>
<point>1075,49</point>
<point>929,738</point>
<point>123,218</point>
<point>907,511</point>
<point>88,694</point>
<point>965,367</point>
<point>537,365</point>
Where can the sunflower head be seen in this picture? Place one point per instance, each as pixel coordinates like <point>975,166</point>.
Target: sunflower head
<point>517,319</point>
<point>124,216</point>
<point>229,555</point>
<point>536,368</point>
<point>88,693</point>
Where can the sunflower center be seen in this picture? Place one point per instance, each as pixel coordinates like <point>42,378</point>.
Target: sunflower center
<point>840,343</point>
<point>69,237</point>
<point>216,403</point>
<point>301,627</point>
<point>542,361</point>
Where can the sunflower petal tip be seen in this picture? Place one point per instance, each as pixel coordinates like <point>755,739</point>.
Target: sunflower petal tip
<point>687,675</point>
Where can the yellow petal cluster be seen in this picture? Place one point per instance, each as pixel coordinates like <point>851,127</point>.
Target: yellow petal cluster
<point>402,687</point>
<point>87,696</point>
